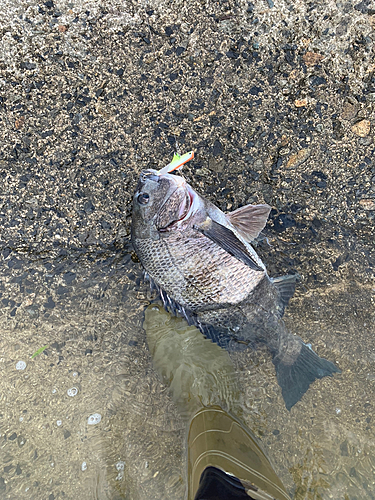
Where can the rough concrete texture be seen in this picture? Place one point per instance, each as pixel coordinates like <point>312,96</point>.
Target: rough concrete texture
<point>271,100</point>
<point>277,100</point>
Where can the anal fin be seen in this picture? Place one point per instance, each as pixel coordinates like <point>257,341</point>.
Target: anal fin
<point>285,286</point>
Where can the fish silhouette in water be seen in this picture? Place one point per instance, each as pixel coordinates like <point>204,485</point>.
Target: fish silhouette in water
<point>203,265</point>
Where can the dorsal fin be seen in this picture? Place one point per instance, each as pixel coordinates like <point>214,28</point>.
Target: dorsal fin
<point>249,220</point>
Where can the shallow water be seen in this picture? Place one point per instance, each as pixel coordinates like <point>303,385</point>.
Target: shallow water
<point>87,310</point>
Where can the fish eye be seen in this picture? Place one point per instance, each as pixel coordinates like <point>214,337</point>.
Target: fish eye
<point>143,198</point>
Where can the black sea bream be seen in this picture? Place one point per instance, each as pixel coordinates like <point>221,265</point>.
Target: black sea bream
<point>205,268</point>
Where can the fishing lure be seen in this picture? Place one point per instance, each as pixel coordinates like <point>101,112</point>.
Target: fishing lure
<point>177,162</point>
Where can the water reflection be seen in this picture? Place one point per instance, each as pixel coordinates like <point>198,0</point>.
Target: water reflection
<point>197,371</point>
<point>88,309</point>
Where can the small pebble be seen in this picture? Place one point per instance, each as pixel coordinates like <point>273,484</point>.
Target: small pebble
<point>83,466</point>
<point>120,465</point>
<point>362,128</point>
<point>349,109</point>
<point>297,159</point>
<point>312,58</point>
<point>365,141</point>
<point>367,204</point>
<point>73,391</point>
<point>94,419</point>
<point>21,365</point>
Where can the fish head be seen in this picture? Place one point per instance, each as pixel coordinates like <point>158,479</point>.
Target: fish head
<point>163,203</point>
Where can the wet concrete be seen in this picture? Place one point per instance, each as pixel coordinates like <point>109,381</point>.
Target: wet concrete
<point>277,100</point>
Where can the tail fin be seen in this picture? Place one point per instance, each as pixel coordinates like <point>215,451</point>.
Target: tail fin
<point>294,379</point>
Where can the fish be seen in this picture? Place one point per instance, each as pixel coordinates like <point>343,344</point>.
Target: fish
<point>202,263</point>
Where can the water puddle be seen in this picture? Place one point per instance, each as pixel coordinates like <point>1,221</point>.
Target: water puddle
<point>87,417</point>
<point>94,406</point>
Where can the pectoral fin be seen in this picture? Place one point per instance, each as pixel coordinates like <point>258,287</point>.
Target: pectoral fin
<point>227,240</point>
<point>249,220</point>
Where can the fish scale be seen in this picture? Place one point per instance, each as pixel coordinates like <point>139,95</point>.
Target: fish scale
<point>201,276</point>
